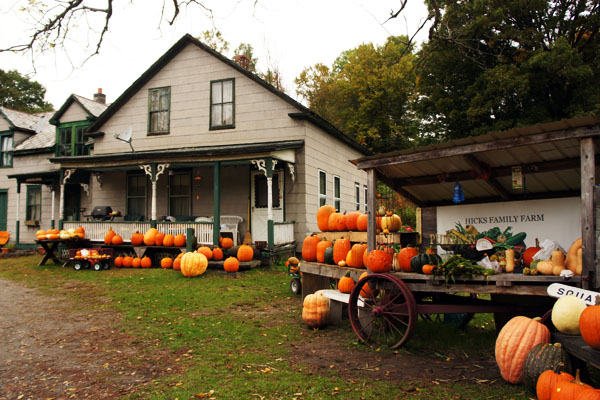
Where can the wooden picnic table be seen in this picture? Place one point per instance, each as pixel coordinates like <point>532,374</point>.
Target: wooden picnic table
<point>50,247</point>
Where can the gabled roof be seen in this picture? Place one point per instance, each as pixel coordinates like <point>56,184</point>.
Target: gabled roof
<point>22,121</point>
<point>304,112</point>
<point>91,107</point>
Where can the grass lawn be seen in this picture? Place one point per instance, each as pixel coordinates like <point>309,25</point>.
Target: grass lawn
<point>242,337</point>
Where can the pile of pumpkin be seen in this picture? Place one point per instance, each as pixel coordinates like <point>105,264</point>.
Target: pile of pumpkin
<point>329,220</point>
<point>524,353</point>
<point>64,234</point>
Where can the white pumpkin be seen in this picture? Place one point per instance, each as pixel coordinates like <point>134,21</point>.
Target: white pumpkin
<point>565,314</point>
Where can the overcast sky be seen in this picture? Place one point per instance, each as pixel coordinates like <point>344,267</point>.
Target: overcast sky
<point>288,34</point>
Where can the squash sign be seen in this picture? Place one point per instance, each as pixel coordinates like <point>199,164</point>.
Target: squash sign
<point>559,290</point>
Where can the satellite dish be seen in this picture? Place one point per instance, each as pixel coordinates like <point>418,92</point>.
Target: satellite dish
<point>126,136</point>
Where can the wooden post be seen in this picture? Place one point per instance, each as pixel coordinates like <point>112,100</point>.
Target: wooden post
<point>17,227</point>
<point>588,180</point>
<point>371,209</point>
<point>52,195</point>
<point>270,227</point>
<point>217,203</point>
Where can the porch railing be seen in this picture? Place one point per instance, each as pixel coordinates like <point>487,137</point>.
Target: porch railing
<point>283,232</point>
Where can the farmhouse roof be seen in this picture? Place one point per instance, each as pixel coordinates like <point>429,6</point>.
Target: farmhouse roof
<point>91,107</point>
<point>37,125</point>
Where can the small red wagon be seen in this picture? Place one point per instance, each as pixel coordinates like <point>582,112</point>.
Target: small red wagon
<point>96,258</point>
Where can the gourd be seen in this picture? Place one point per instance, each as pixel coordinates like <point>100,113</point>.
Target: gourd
<point>323,217</point>
<point>231,264</point>
<point>245,253</point>
<point>378,261</point>
<point>217,254</point>
<point>546,382</point>
<point>545,267</point>
<point>208,253</point>
<point>166,262</point>
<point>565,314</point>
<point>168,240</point>
<point>341,247</point>
<point>309,248</point>
<point>571,260</point>
<point>328,256</point>
<point>542,357</point>
<point>514,342</point>
<point>391,222</point>
<point>150,236</point>
<point>137,239</point>
<point>108,236</point>
<point>417,262</point>
<point>315,311</point>
<point>79,231</point>
<point>428,269</point>
<point>146,262</point>
<point>589,325</point>
<point>193,264</point>
<point>321,247</point>
<point>116,240</point>
<point>510,260</point>
<point>404,257</point>
<point>346,283</point>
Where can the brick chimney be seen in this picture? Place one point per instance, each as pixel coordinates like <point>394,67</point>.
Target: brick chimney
<point>99,97</point>
<point>242,60</point>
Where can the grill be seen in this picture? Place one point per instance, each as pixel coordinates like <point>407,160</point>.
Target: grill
<point>100,213</point>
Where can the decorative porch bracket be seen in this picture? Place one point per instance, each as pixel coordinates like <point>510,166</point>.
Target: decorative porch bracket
<point>292,169</point>
<point>99,178</point>
<point>267,166</point>
<point>65,174</point>
<point>153,171</point>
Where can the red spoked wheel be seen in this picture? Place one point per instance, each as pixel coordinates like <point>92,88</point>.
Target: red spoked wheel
<point>387,315</point>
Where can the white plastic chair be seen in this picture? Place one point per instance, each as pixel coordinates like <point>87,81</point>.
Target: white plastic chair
<point>230,223</point>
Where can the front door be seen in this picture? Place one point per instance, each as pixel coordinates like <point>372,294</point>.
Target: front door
<point>3,209</point>
<point>72,202</point>
<point>259,203</point>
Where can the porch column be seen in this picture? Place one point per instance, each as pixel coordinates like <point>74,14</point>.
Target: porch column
<point>52,195</point>
<point>371,208</point>
<point>153,171</point>
<point>270,226</point>
<point>217,203</point>
<point>18,223</point>
<point>65,174</point>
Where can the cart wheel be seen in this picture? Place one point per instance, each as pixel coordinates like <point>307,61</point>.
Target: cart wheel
<point>78,265</point>
<point>388,315</point>
<point>296,286</point>
<point>106,265</point>
<point>97,266</point>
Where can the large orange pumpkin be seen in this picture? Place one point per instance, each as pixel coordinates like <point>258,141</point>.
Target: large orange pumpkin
<point>166,262</point>
<point>217,254</point>
<point>569,390</point>
<point>341,247</point>
<point>137,239</point>
<point>589,325</point>
<point>108,236</point>
<point>315,311</point>
<point>245,253</point>
<point>514,341</point>
<point>321,247</point>
<point>404,256</point>
<point>323,217</point>
<point>159,238</point>
<point>208,253</point>
<point>227,243</point>
<point>336,222</point>
<point>362,222</point>
<point>150,236</point>
<point>231,265</point>
<point>146,262</point>
<point>179,240</point>
<point>378,261</point>
<point>547,380</point>
<point>117,240</point>
<point>356,256</point>
<point>351,220</point>
<point>193,264</point>
<point>309,248</point>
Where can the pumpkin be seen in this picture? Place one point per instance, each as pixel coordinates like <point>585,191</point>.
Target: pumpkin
<point>193,264</point>
<point>336,222</point>
<point>118,261</point>
<point>341,247</point>
<point>328,256</point>
<point>428,269</point>
<point>108,236</point>
<point>309,248</point>
<point>79,231</point>
<point>514,342</point>
<point>52,236</point>
<point>146,262</point>
<point>321,247</point>
<point>417,262</point>
<point>362,222</point>
<point>530,252</point>
<point>542,357</point>
<point>227,243</point>
<point>137,239</point>
<point>208,253</point>
<point>365,291</point>
<point>404,256</point>
<point>346,283</point>
<point>565,314</point>
<point>589,325</point>
<point>366,258</point>
<point>378,261</point>
<point>231,265</point>
<point>40,232</point>
<point>392,223</point>
<point>159,238</point>
<point>323,217</point>
<point>179,240</point>
<point>117,240</point>
<point>150,236</point>
<point>351,220</point>
<point>354,258</point>
<point>569,390</point>
<point>546,382</point>
<point>245,253</point>
<point>588,394</point>
<point>168,240</point>
<point>177,264</point>
<point>127,261</point>
<point>166,262</point>
<point>571,260</point>
<point>137,262</point>
<point>315,311</point>
<point>217,254</point>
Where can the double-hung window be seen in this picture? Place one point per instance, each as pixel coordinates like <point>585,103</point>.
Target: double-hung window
<point>322,188</point>
<point>337,193</point>
<point>179,194</point>
<point>7,145</point>
<point>34,203</point>
<point>71,141</point>
<point>159,104</point>
<point>136,195</point>
<point>357,195</point>
<point>222,104</point>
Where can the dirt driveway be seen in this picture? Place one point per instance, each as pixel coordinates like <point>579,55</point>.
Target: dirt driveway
<point>51,350</point>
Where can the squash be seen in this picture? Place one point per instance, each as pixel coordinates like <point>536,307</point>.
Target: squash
<point>558,258</point>
<point>546,382</point>
<point>328,256</point>
<point>323,217</point>
<point>589,325</point>
<point>336,222</point>
<point>179,240</point>
<point>579,263</point>
<point>193,264</point>
<point>404,257</point>
<point>168,240</point>
<point>116,240</point>
<point>542,357</point>
<point>207,251</point>
<point>545,267</point>
<point>137,262</point>
<point>217,254</point>
<point>315,311</point>
<point>571,260</point>
<point>146,262</point>
<point>321,247</point>
<point>589,394</point>
<point>514,342</point>
<point>118,262</point>
<point>365,291</point>
<point>227,243</point>
<point>417,262</point>
<point>341,247</point>
<point>557,269</point>
<point>392,223</point>
<point>565,314</point>
<point>510,260</point>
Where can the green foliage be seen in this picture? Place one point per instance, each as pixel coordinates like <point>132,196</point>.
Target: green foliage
<point>366,93</point>
<point>214,39</point>
<point>22,94</point>
<point>248,50</point>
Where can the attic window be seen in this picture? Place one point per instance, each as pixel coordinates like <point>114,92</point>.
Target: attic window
<point>222,104</point>
<point>7,145</point>
<point>159,104</point>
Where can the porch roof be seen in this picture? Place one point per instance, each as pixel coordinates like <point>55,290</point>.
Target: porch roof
<point>201,154</point>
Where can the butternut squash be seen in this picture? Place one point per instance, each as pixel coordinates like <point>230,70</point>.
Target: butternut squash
<point>510,260</point>
<point>571,262</point>
<point>558,258</point>
<point>557,269</point>
<point>545,267</point>
<point>579,267</point>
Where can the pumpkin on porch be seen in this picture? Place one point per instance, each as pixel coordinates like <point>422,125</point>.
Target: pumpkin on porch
<point>80,232</point>
<point>159,238</point>
<point>108,236</point>
<point>351,220</point>
<point>146,262</point>
<point>323,217</point>
<point>231,265</point>
<point>321,247</point>
<point>168,240</point>
<point>336,222</point>
<point>309,248</point>
<point>227,243</point>
<point>137,239</point>
<point>193,264</point>
<point>179,240</point>
<point>217,254</point>
<point>391,222</point>
<point>341,247</point>
<point>166,262</point>
<point>208,253</point>
<point>117,240</point>
<point>569,390</point>
<point>245,253</point>
<point>150,236</point>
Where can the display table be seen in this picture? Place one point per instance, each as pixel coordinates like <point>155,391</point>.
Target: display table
<point>50,247</point>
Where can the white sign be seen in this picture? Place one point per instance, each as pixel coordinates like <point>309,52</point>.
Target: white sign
<point>559,290</point>
<point>555,219</point>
